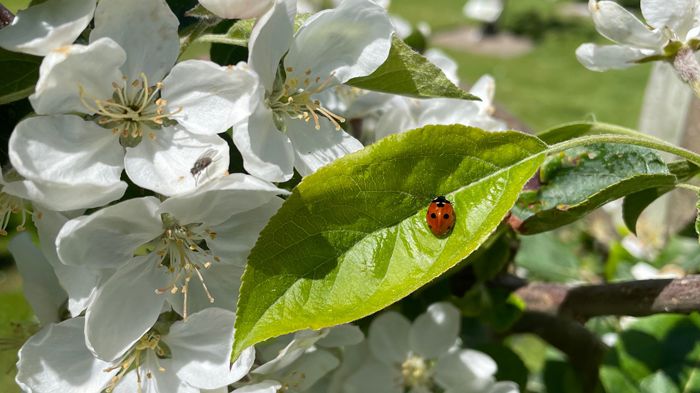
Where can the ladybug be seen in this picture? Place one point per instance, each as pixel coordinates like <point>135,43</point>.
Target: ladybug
<point>440,216</point>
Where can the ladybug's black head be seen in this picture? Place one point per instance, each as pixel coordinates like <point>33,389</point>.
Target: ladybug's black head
<point>440,199</point>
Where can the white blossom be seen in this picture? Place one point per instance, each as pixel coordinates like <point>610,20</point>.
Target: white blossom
<point>418,356</point>
<point>132,116</point>
<point>291,128</point>
<point>237,9</point>
<point>188,251</point>
<point>402,114</point>
<point>671,31</point>
<point>188,356</point>
<point>483,10</point>
<point>297,362</point>
<point>46,26</point>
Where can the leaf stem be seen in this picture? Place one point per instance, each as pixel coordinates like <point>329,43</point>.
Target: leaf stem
<point>690,187</point>
<point>640,140</point>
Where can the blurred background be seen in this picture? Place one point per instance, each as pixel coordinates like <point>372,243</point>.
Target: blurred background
<point>529,50</point>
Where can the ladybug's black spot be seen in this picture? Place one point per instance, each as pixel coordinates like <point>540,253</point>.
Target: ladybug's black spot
<point>446,216</point>
<point>430,226</point>
<point>433,215</point>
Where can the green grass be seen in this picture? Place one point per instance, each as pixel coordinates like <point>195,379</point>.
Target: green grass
<point>549,86</point>
<point>13,309</point>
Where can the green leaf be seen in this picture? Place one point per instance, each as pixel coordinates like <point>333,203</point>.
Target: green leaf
<point>18,75</point>
<point>239,33</point>
<point>580,180</point>
<point>634,204</point>
<point>660,353</point>
<point>408,73</point>
<point>567,131</point>
<point>352,238</point>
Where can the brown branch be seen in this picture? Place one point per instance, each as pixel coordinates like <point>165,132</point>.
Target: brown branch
<point>583,348</point>
<point>633,298</point>
<point>6,17</point>
<point>555,312</point>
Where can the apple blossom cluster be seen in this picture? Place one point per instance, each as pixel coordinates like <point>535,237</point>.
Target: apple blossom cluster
<point>144,234</point>
<point>670,32</point>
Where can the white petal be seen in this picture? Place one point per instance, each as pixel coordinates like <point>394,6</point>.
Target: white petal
<point>303,340</point>
<point>165,164</point>
<point>435,331</point>
<point>46,26</point>
<point>40,284</point>
<point>125,307</point>
<point>219,199</point>
<point>237,9</point>
<point>504,387</point>
<point>65,149</point>
<point>110,236</point>
<point>400,115</point>
<point>309,369</point>
<point>65,70</point>
<point>447,111</point>
<point>222,282</point>
<point>341,336</point>
<point>389,337</point>
<point>484,88</point>
<point>210,98</point>
<point>78,282</point>
<point>465,370</point>
<point>150,41</point>
<point>201,349</point>
<point>617,24</point>
<point>62,197</point>
<point>483,10</point>
<point>316,148</point>
<point>268,386</point>
<point>608,57</point>
<point>674,14</point>
<point>350,41</point>
<point>56,360</point>
<point>270,40</point>
<point>377,377</point>
<point>267,152</point>
<point>237,236</point>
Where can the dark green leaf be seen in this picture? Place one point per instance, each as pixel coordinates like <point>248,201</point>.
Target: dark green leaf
<point>352,238</point>
<point>634,204</point>
<point>493,259</point>
<point>408,73</point>
<point>18,75</point>
<point>660,353</point>
<point>579,180</point>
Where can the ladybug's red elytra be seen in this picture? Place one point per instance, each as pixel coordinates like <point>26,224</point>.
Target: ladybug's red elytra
<point>440,216</point>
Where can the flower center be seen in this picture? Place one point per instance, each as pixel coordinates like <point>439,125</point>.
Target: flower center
<point>294,99</point>
<point>10,205</point>
<point>134,109</point>
<point>181,252</point>
<point>135,358</point>
<point>416,372</point>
